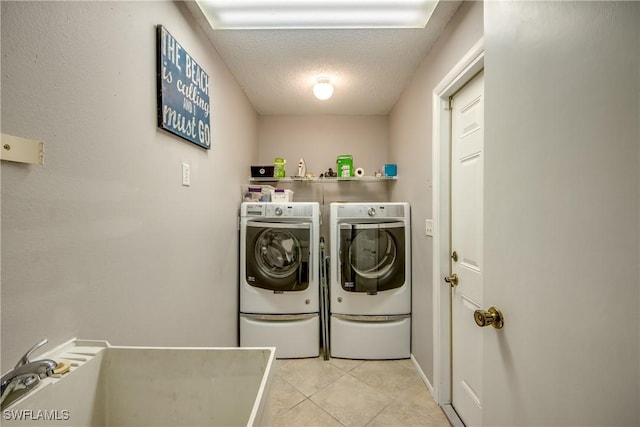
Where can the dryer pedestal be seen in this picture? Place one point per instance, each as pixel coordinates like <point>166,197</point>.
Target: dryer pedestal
<point>376,338</point>
<point>370,281</point>
<point>293,335</point>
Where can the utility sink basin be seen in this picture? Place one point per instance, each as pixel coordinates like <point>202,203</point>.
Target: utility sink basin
<point>142,386</point>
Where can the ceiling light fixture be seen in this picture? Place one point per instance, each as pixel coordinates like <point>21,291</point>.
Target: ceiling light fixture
<point>280,14</point>
<point>323,88</point>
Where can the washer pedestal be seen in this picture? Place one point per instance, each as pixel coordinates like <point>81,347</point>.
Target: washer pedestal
<point>383,337</point>
<point>292,335</point>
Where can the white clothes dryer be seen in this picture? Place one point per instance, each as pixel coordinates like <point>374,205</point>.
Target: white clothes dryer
<point>280,277</point>
<point>370,280</point>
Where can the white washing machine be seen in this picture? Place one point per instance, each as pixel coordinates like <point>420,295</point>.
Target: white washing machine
<point>370,280</point>
<point>280,277</point>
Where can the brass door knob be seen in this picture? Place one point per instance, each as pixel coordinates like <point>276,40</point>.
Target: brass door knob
<point>452,280</point>
<point>491,317</point>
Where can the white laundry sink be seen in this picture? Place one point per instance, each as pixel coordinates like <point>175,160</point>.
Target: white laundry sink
<point>141,386</point>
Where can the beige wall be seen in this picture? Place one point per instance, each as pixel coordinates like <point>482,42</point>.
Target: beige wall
<point>103,241</point>
<point>320,139</point>
<point>410,147</point>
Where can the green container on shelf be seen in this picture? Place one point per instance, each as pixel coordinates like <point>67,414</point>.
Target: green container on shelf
<point>345,166</point>
<point>279,167</point>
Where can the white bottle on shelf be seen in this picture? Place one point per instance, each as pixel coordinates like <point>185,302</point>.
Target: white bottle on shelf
<point>302,168</point>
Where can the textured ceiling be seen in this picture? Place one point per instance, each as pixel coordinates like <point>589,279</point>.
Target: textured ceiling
<point>368,68</point>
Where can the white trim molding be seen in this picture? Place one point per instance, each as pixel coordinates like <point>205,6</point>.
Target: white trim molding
<point>422,375</point>
<point>468,66</point>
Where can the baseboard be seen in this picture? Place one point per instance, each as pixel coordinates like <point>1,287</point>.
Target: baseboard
<point>422,375</point>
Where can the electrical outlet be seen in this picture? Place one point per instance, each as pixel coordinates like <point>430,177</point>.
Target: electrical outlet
<point>428,227</point>
<point>186,174</point>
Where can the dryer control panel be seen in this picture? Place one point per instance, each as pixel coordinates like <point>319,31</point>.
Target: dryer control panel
<point>352,210</point>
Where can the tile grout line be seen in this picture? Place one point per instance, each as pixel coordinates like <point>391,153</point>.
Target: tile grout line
<point>342,373</point>
<point>309,398</point>
<point>323,410</point>
<point>381,411</point>
<point>391,401</point>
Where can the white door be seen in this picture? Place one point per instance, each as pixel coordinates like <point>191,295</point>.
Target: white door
<point>466,240</point>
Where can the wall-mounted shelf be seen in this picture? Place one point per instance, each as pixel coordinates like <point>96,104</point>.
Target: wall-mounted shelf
<point>323,180</point>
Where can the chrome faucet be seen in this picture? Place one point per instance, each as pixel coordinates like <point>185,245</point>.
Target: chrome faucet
<point>26,374</point>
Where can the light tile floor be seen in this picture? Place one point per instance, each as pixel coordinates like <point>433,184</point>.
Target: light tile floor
<point>341,392</point>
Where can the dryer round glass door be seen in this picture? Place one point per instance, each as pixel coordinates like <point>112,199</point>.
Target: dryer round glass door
<point>372,257</point>
<point>277,256</point>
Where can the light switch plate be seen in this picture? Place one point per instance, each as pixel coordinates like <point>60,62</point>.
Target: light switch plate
<point>428,227</point>
<point>186,174</point>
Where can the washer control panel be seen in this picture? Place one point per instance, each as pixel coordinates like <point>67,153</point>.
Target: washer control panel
<point>288,211</point>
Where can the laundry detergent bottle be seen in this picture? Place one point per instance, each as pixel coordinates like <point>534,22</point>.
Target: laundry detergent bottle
<point>279,167</point>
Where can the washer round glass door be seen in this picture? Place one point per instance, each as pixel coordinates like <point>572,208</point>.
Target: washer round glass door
<point>277,255</point>
<point>372,257</point>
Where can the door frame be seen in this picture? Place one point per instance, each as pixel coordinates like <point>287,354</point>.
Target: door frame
<point>466,68</point>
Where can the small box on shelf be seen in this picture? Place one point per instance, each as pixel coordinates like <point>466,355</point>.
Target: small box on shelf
<point>262,171</point>
<point>256,193</point>
<point>281,195</point>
